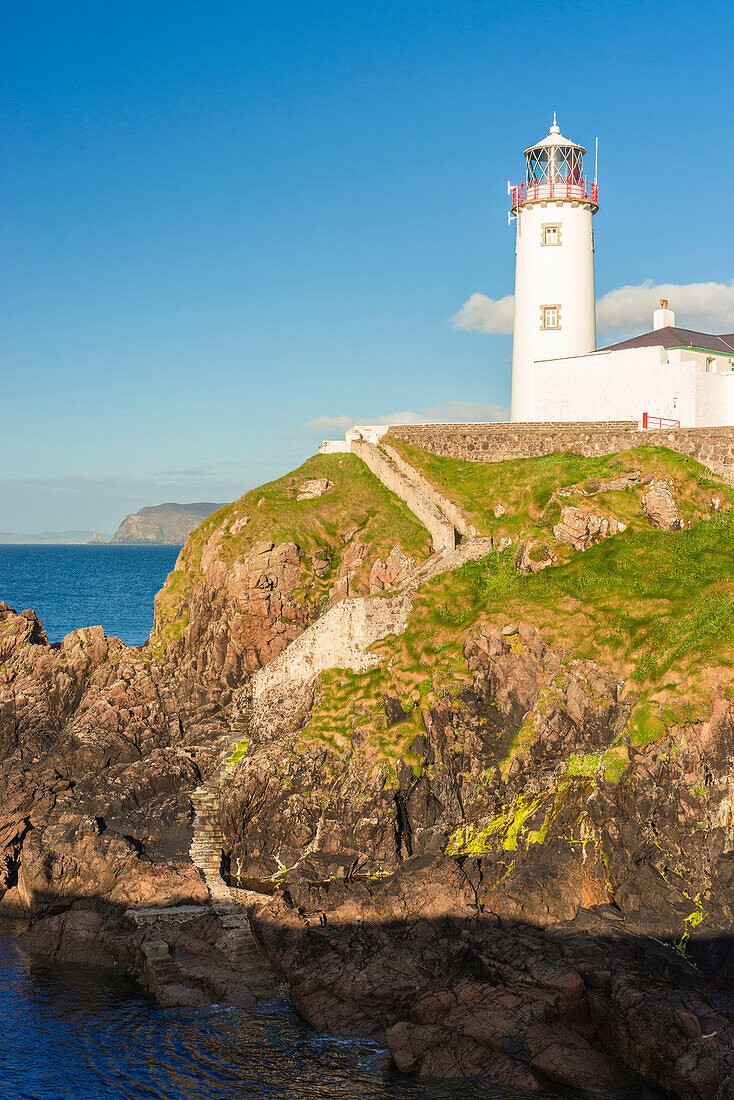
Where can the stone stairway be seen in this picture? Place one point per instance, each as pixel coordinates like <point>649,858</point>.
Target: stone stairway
<point>451,511</point>
<point>240,947</point>
<point>207,841</point>
<point>238,943</point>
<point>410,489</point>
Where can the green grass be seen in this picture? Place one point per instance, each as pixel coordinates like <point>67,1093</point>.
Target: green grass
<point>525,486</point>
<point>357,501</point>
<point>349,717</point>
<point>645,726</point>
<point>655,607</point>
<point>612,763</point>
<point>651,602</point>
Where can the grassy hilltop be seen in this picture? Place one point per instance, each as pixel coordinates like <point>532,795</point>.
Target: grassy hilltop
<point>654,607</point>
<point>356,510</point>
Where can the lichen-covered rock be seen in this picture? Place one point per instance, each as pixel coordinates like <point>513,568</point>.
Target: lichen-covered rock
<point>581,529</point>
<point>660,507</point>
<point>316,487</point>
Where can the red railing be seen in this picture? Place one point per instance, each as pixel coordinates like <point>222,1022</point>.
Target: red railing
<point>658,422</point>
<point>561,189</point>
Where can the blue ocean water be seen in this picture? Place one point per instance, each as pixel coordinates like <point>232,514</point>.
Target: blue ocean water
<point>73,586</point>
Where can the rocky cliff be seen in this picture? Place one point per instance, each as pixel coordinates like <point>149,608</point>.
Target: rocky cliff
<point>163,524</point>
<point>498,836</point>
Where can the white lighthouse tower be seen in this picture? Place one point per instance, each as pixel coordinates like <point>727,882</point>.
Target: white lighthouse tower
<point>554,274</point>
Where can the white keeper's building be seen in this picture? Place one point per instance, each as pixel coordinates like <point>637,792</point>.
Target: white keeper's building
<point>667,377</point>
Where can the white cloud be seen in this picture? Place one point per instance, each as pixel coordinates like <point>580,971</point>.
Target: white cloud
<point>707,307</point>
<point>482,314</point>
<point>464,412</point>
<point>337,424</point>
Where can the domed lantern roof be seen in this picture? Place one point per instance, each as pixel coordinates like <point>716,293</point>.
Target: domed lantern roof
<point>555,159</point>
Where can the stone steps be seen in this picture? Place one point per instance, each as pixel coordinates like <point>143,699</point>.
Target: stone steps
<point>206,851</point>
<point>445,506</point>
<point>441,529</point>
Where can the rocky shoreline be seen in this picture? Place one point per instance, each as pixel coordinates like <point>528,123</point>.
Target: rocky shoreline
<point>497,863</point>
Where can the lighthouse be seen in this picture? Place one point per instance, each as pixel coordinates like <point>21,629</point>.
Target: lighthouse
<point>554,270</point>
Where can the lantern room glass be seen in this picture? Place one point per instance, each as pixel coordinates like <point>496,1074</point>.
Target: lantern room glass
<point>555,164</point>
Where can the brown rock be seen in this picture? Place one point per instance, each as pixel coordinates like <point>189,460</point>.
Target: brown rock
<point>564,1056</point>
<point>581,529</point>
<point>660,507</point>
<point>533,556</point>
<point>316,487</point>
<point>385,574</point>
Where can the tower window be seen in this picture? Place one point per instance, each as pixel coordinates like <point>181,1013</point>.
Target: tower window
<point>550,317</point>
<point>550,233</point>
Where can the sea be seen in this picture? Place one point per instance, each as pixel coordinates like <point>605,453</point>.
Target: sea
<point>73,586</point>
<point>86,1033</point>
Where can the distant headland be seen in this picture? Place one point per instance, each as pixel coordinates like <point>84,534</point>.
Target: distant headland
<point>163,524</point>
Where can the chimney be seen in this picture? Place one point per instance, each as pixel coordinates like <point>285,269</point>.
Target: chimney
<point>663,317</point>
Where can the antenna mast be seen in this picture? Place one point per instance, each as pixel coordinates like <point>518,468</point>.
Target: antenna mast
<point>596,163</point>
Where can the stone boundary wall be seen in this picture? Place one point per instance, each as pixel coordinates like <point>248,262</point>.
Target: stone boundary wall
<point>712,447</point>
<point>511,426</point>
<point>449,509</point>
<point>440,529</point>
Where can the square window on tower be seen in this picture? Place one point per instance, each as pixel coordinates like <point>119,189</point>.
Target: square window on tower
<point>550,317</point>
<point>550,233</point>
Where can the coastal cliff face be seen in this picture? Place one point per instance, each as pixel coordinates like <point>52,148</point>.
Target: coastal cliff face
<point>528,938</point>
<point>101,745</point>
<point>506,847</point>
<point>258,571</point>
<point>161,525</point>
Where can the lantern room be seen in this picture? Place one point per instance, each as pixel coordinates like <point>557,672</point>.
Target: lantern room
<point>555,159</point>
<point>555,170</point>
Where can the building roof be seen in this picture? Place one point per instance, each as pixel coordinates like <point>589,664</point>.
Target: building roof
<point>671,337</point>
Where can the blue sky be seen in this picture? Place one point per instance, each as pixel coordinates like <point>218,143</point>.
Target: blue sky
<point>223,222</point>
